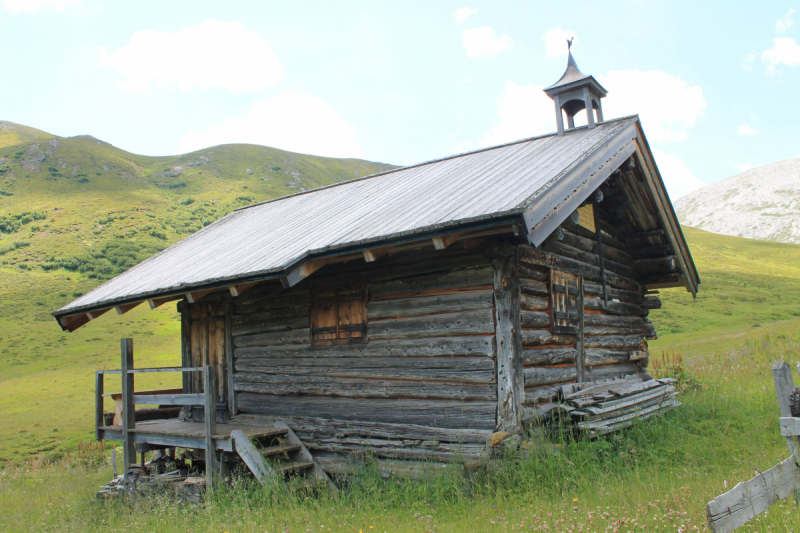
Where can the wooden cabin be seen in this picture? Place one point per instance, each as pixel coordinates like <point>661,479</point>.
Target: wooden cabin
<point>417,313</point>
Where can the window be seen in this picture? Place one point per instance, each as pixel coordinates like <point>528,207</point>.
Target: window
<point>565,294</point>
<point>338,314</point>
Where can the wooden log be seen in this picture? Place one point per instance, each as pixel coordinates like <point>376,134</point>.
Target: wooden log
<point>642,235</point>
<point>564,250</point>
<point>464,323</point>
<point>631,342</point>
<point>538,395</point>
<point>649,330</point>
<point>549,356</point>
<point>453,369</point>
<point>277,338</point>
<point>651,251</point>
<point>543,337</point>
<point>784,383</point>
<point>98,405</point>
<point>424,347</point>
<point>614,308</point>
<point>330,428</point>
<point>748,499</point>
<point>659,265</point>
<point>210,421</point>
<point>533,273</point>
<point>608,239</point>
<point>510,381</point>
<point>343,466</point>
<point>595,289</point>
<point>611,371</point>
<point>607,330</point>
<point>532,303</point>
<point>287,299</point>
<point>261,469</point>
<point>290,385</point>
<point>663,281</point>
<point>128,408</point>
<point>532,256</point>
<point>272,320</point>
<point>590,245</point>
<point>547,375</point>
<point>595,357</point>
<point>472,278</point>
<point>534,319</point>
<point>613,321</point>
<point>435,413</point>
<point>651,302</point>
<point>534,288</point>
<point>429,305</point>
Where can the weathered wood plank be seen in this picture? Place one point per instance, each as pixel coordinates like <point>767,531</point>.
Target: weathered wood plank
<point>543,337</point>
<point>608,330</point>
<point>329,428</point>
<point>549,356</point>
<point>595,289</point>
<point>612,371</point>
<point>455,369</point>
<point>564,250</point>
<point>472,277</point>
<point>632,342</point>
<point>547,375</point>
<point>534,319</point>
<point>510,380</point>
<point>277,338</point>
<point>530,255</point>
<point>784,383</point>
<point>538,395</point>
<point>269,321</point>
<point>613,308</point>
<point>534,273</point>
<point>262,471</point>
<point>532,303</point>
<point>465,323</point>
<point>590,245</point>
<point>305,455</point>
<point>436,413</point>
<point>612,321</point>
<point>289,385</point>
<point>749,499</point>
<point>595,357</point>
<point>534,288</point>
<point>482,345</point>
<point>429,305</point>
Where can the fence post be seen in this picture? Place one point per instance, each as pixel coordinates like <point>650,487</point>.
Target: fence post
<point>128,408</point>
<point>98,405</point>
<point>210,417</point>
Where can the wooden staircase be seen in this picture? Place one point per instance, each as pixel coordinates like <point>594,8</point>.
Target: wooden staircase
<point>279,456</point>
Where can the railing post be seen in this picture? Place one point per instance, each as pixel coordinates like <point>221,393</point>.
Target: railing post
<point>98,405</point>
<point>128,408</point>
<point>210,417</point>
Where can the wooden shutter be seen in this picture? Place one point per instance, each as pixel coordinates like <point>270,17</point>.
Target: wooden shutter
<point>338,314</point>
<point>565,296</point>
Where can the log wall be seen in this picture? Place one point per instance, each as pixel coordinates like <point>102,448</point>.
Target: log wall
<point>424,385</point>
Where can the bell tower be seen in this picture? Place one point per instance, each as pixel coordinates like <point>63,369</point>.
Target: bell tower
<point>576,91</point>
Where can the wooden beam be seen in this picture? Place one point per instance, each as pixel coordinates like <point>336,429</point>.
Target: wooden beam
<point>158,302</point>
<point>122,309</point>
<point>95,314</point>
<point>642,235</point>
<point>210,418</point>
<point>128,409</point>
<point>193,297</point>
<point>302,271</point>
<point>510,377</point>
<point>374,254</point>
<point>784,383</point>
<point>73,322</point>
<point>443,241</point>
<point>241,288</point>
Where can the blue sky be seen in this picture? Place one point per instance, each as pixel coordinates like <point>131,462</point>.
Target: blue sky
<point>716,84</point>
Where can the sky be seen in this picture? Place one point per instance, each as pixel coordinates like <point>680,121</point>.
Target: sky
<point>715,83</point>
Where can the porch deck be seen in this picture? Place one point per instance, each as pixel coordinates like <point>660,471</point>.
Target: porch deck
<point>185,434</point>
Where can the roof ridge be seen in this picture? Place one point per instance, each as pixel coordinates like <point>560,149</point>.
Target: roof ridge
<point>429,162</point>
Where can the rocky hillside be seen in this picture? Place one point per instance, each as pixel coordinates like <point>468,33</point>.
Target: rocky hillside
<point>762,203</point>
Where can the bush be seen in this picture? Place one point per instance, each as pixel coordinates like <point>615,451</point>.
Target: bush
<point>188,201</point>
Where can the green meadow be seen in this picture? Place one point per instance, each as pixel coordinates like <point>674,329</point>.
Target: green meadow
<point>656,476</point>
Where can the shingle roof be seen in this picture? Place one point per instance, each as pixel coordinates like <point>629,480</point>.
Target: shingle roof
<point>272,236</point>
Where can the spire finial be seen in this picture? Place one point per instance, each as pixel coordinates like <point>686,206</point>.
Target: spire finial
<point>569,44</point>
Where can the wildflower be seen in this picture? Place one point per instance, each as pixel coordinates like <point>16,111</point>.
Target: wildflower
<point>725,483</point>
<point>574,500</point>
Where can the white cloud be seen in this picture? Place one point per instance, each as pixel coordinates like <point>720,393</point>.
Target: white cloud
<point>785,50</point>
<point>482,42</point>
<point>555,41</point>
<point>667,105</point>
<point>31,6</point>
<point>465,79</point>
<point>292,121</point>
<point>746,130</point>
<point>678,178</point>
<point>462,13</point>
<point>785,22</point>
<point>742,167</point>
<point>522,111</point>
<point>215,54</point>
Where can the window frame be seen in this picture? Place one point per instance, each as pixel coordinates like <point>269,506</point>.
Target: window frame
<point>323,293</point>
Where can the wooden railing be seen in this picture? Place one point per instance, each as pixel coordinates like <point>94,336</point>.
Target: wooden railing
<point>208,400</point>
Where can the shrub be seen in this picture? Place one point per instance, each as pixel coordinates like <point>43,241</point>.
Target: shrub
<point>188,201</point>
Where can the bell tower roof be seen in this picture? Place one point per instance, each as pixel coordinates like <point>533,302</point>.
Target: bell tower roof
<point>574,92</point>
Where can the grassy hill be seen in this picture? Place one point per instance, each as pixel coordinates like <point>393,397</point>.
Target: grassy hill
<point>77,211</point>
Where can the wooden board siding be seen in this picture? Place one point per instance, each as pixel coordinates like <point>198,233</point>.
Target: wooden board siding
<point>204,339</point>
<point>613,335</point>
<point>429,359</point>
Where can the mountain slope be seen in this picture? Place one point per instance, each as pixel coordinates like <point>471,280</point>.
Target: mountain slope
<point>762,203</point>
<point>12,134</point>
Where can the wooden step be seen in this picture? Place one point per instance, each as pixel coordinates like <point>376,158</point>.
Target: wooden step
<point>294,466</point>
<point>276,450</point>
